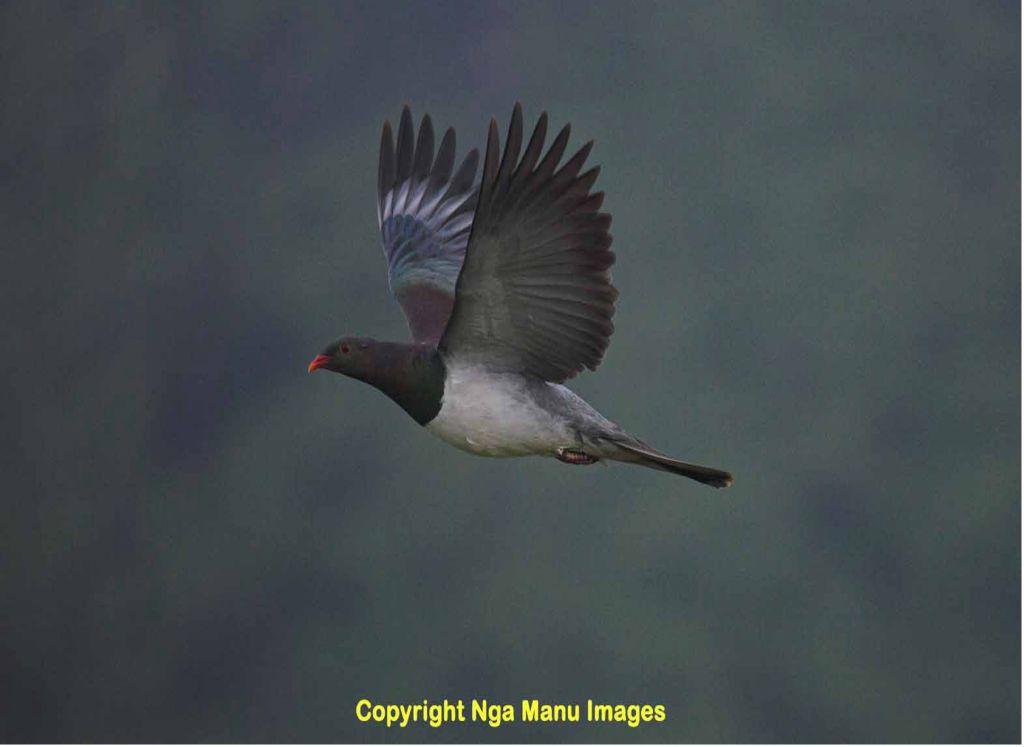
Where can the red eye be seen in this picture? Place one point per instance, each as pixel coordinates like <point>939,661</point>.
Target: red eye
<point>344,348</point>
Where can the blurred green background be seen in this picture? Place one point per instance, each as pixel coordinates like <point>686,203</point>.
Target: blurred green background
<point>817,222</point>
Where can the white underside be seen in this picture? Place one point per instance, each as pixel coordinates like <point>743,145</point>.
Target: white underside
<point>493,414</point>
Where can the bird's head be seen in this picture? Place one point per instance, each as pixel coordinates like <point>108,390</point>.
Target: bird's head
<point>351,356</point>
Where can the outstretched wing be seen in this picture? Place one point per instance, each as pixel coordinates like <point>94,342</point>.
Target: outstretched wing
<point>535,295</point>
<point>425,213</point>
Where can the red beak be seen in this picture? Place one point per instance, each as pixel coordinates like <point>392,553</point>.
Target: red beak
<point>319,362</point>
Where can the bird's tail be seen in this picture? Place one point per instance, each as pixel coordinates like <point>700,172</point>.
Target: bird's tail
<point>640,453</point>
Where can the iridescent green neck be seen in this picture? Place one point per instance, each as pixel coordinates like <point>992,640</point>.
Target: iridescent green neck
<point>411,375</point>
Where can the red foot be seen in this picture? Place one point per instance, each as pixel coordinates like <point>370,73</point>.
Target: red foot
<point>572,456</point>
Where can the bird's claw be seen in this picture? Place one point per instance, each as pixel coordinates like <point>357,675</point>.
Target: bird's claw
<point>574,456</point>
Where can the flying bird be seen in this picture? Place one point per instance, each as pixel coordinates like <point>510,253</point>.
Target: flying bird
<point>506,288</point>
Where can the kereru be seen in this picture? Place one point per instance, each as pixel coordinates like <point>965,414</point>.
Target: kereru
<point>506,289</point>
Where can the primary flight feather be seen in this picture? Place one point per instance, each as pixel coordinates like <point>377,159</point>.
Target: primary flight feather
<point>506,289</point>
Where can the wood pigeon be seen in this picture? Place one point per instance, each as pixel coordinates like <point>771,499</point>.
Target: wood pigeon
<point>507,291</point>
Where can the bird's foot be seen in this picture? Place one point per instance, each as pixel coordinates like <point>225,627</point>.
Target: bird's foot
<point>574,456</point>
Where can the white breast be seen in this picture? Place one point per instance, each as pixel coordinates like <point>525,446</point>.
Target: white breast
<point>494,415</point>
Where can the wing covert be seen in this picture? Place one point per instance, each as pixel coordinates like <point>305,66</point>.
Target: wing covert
<point>535,294</point>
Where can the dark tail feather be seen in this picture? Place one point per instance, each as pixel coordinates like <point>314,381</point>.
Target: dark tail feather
<point>648,457</point>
